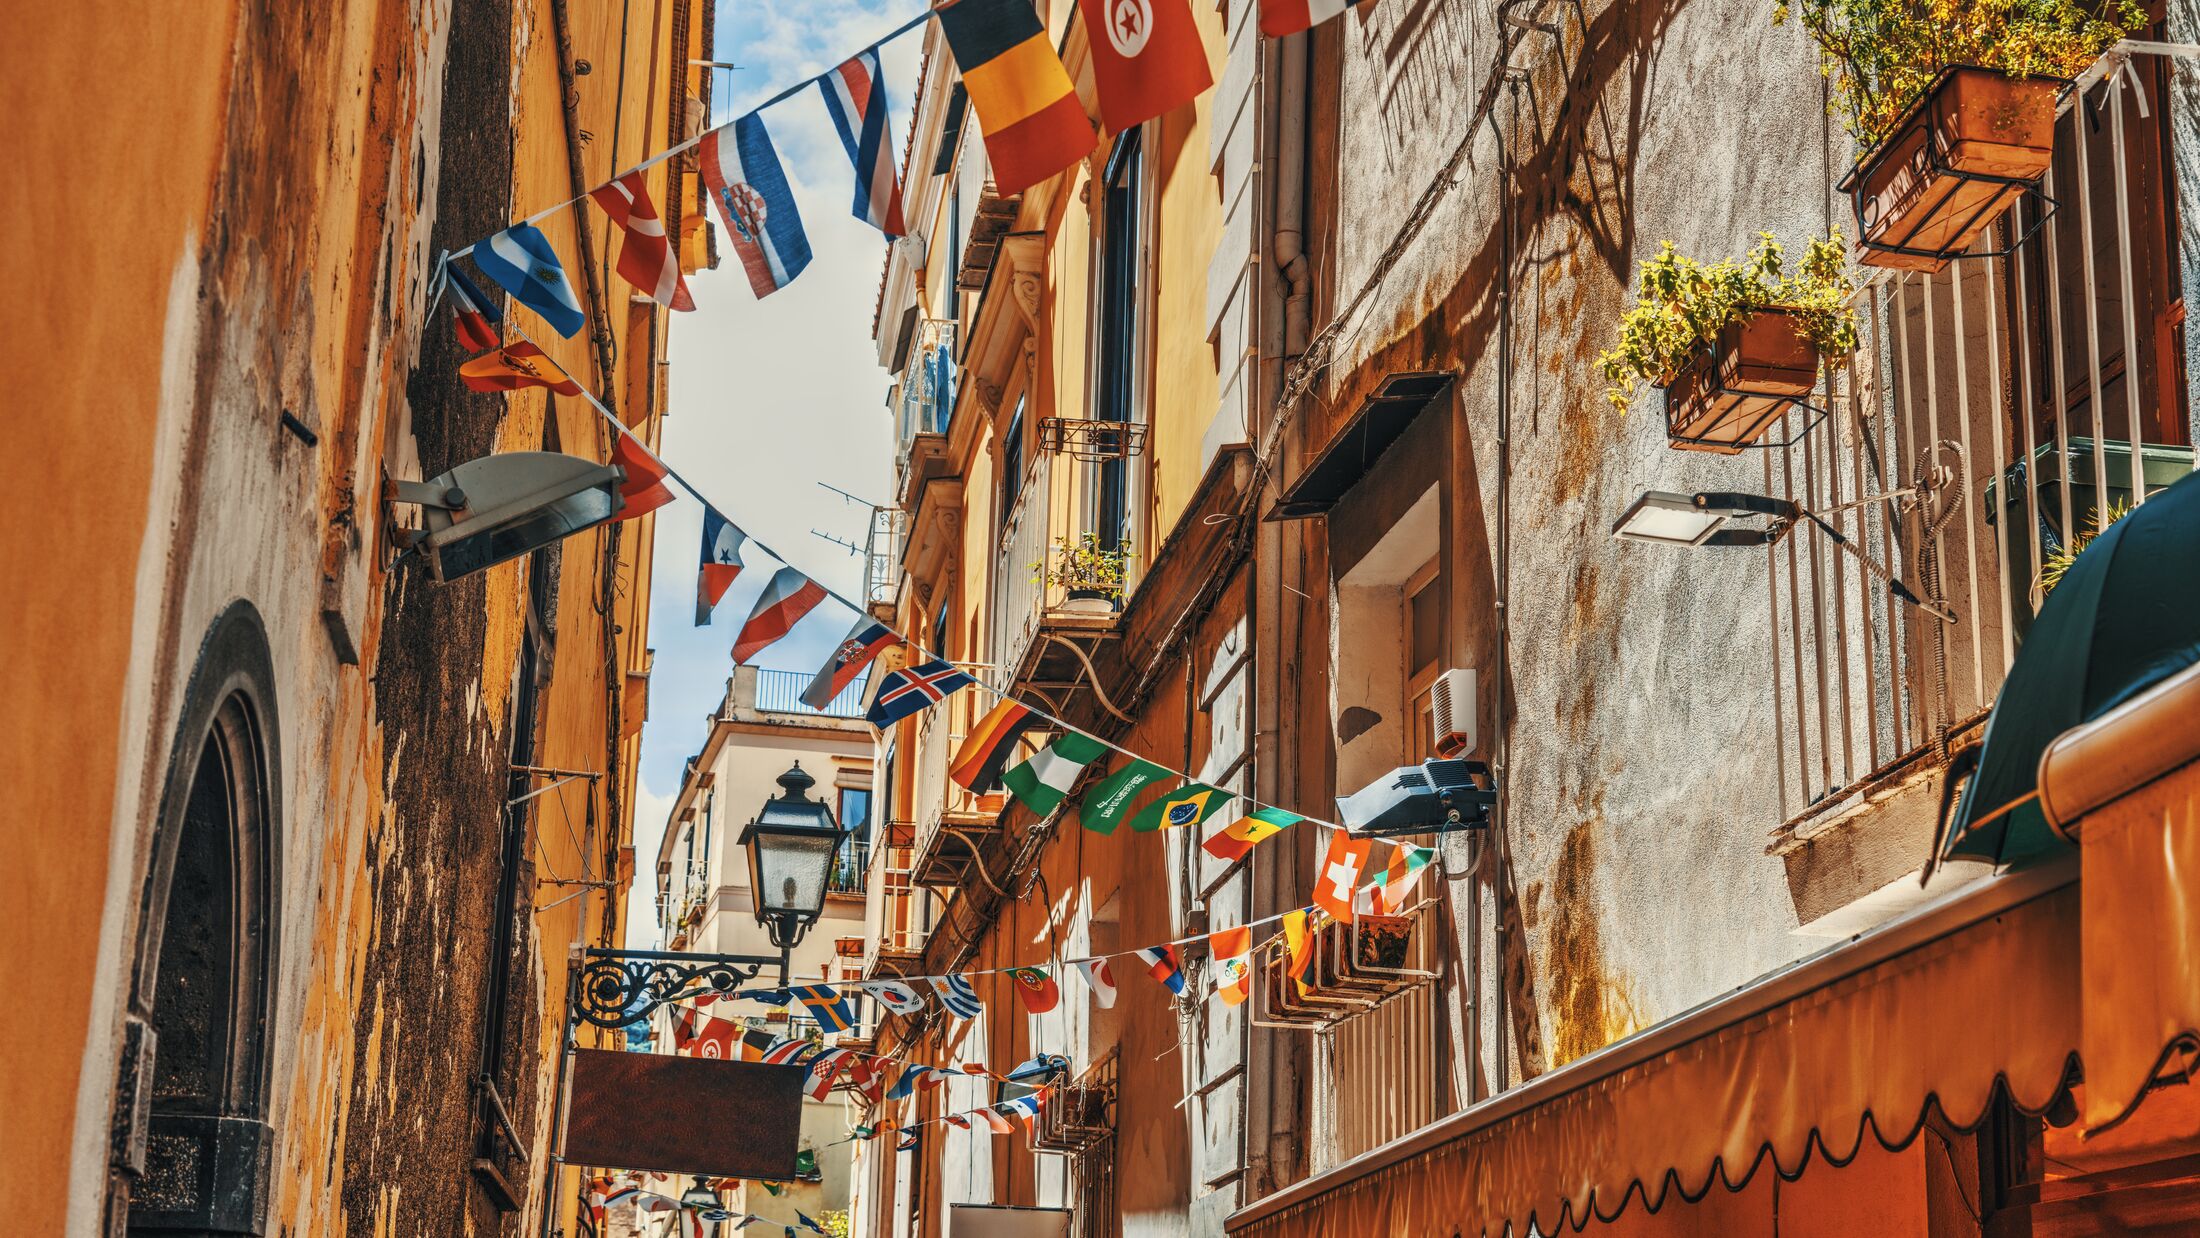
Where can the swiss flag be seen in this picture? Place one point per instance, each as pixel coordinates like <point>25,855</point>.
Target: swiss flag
<point>1339,874</point>
<point>1147,58</point>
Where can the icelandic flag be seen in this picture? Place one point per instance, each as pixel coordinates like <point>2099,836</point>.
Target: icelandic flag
<point>721,563</point>
<point>741,171</point>
<point>521,261</point>
<point>789,596</point>
<point>865,641</point>
<point>917,688</point>
<point>855,93</point>
<point>1161,961</point>
<point>477,316</point>
<point>956,994</point>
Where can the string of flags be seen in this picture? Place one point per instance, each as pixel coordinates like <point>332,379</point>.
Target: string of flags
<point>1034,128</point>
<point>606,1192</point>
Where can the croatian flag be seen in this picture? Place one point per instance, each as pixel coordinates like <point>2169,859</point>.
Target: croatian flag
<point>721,563</point>
<point>521,261</point>
<point>742,173</point>
<point>865,641</point>
<point>855,93</point>
<point>917,688</point>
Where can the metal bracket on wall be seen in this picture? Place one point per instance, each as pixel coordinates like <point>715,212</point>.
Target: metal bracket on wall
<point>619,986</point>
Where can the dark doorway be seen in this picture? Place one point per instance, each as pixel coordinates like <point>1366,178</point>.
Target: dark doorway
<point>191,1140</point>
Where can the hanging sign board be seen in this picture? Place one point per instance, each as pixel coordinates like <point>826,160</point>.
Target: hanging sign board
<point>684,1115</point>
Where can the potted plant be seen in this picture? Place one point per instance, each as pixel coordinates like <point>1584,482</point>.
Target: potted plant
<point>1732,343</point>
<point>1953,103</point>
<point>1090,574</point>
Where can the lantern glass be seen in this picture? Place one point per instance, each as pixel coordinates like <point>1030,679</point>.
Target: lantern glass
<point>791,842</point>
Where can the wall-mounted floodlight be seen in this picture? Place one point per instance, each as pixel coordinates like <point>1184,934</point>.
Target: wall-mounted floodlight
<point>1699,520</point>
<point>500,507</point>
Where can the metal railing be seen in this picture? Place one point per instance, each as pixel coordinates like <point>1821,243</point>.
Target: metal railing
<point>882,557</point>
<point>937,795</point>
<point>2006,394</point>
<point>1019,589</point>
<point>851,868</point>
<point>780,692</point>
<point>924,399</point>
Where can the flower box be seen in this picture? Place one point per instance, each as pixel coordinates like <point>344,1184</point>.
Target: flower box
<point>1977,141</point>
<point>1727,395</point>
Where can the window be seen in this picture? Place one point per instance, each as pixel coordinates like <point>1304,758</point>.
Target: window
<point>1012,465</point>
<point>1121,241</point>
<point>855,812</point>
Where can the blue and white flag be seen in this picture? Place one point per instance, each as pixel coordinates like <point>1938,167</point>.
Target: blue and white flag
<point>956,994</point>
<point>913,689</point>
<point>521,261</point>
<point>742,174</point>
<point>826,1006</point>
<point>855,93</point>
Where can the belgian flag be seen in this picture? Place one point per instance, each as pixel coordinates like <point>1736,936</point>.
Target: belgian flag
<point>1034,125</point>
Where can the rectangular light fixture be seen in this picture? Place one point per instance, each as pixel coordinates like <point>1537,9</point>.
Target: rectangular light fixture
<point>1669,519</point>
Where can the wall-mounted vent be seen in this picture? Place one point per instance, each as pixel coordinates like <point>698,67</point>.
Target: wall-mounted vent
<point>1451,713</point>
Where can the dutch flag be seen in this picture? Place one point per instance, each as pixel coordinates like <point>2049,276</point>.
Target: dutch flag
<point>855,93</point>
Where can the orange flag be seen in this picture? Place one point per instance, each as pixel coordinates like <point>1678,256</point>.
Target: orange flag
<point>644,489</point>
<point>1232,948</point>
<point>520,365</point>
<point>1339,874</point>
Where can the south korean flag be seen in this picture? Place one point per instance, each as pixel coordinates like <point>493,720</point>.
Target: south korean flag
<point>898,998</point>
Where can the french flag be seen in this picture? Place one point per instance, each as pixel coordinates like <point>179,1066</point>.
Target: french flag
<point>1161,961</point>
<point>855,93</point>
<point>742,174</point>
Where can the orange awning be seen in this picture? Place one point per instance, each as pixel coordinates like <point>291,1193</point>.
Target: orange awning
<point>1853,1044</point>
<point>2141,857</point>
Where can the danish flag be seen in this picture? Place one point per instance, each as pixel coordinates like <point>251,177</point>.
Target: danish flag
<point>646,260</point>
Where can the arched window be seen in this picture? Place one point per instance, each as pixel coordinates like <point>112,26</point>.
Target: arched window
<point>192,1144</point>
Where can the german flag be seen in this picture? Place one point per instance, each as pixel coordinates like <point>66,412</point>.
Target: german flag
<point>978,764</point>
<point>1034,125</point>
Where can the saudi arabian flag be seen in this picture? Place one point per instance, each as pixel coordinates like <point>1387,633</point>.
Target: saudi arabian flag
<point>1041,782</point>
<point>1104,805</point>
<point>1192,804</point>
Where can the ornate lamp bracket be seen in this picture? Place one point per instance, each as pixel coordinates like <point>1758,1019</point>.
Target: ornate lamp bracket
<point>619,986</point>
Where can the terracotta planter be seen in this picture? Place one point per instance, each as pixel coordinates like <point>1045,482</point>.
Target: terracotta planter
<point>1961,157</point>
<point>1729,394</point>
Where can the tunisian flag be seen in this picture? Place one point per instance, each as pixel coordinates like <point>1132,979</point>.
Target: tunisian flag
<point>1147,58</point>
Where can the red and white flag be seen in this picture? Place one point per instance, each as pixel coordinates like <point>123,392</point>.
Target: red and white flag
<point>1281,17</point>
<point>705,1035</point>
<point>646,259</point>
<point>1339,874</point>
<point>1232,949</point>
<point>1097,974</point>
<point>1147,58</point>
<point>644,489</point>
<point>788,597</point>
<point>721,564</point>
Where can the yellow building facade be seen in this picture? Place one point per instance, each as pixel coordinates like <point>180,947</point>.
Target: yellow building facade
<point>299,929</point>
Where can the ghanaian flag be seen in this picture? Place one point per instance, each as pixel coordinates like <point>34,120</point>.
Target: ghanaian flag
<point>978,763</point>
<point>1034,126</point>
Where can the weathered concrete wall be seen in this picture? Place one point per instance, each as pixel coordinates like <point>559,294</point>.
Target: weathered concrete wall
<point>286,170</point>
<point>1641,781</point>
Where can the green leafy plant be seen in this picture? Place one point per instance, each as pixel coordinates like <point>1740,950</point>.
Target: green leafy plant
<point>1083,563</point>
<point>1881,55</point>
<point>835,1221</point>
<point>2057,564</point>
<point>1681,305</point>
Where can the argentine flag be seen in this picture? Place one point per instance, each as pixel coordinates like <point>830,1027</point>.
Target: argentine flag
<point>521,261</point>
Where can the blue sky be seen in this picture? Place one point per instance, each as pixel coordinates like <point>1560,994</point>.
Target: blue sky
<point>769,398</point>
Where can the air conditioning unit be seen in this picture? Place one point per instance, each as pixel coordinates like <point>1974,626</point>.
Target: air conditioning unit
<point>1451,707</point>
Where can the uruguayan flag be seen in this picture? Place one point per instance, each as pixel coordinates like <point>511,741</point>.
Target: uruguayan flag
<point>521,261</point>
<point>956,994</point>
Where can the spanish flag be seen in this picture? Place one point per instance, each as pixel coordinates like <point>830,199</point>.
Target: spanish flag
<point>978,764</point>
<point>511,368</point>
<point>1034,125</point>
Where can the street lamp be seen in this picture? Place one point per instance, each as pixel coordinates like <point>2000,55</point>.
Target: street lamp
<point>700,1196</point>
<point>791,843</point>
<point>1699,520</point>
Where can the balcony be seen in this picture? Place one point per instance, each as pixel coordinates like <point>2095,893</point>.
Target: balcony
<point>952,824</point>
<point>924,399</point>
<point>1034,620</point>
<point>780,692</point>
<point>851,869</point>
<point>895,919</point>
<point>2022,391</point>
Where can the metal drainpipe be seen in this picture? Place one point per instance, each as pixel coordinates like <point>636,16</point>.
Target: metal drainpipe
<point>1501,747</point>
<point>1275,1094</point>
